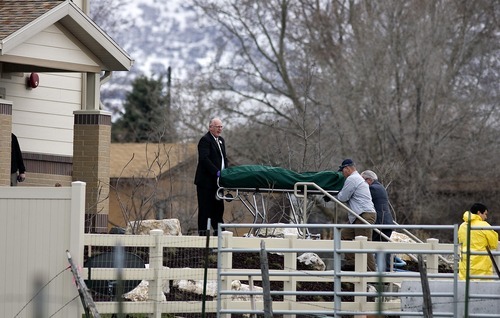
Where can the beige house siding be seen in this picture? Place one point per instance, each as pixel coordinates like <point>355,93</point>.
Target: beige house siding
<point>42,118</point>
<point>56,44</point>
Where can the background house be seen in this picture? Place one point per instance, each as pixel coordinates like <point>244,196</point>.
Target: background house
<point>53,59</point>
<point>152,181</point>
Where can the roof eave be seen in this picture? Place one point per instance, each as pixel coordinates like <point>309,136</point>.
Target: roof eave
<point>113,57</point>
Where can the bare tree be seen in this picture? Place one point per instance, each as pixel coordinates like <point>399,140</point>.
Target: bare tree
<point>265,77</point>
<point>409,89</point>
<point>408,102</point>
<point>107,15</point>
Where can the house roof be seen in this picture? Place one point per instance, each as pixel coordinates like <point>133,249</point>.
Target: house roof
<point>15,14</point>
<point>148,160</point>
<point>23,19</point>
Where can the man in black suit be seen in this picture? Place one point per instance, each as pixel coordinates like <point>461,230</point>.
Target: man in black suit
<point>211,161</point>
<point>17,169</point>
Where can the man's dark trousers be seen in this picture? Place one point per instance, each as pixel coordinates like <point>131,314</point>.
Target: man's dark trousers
<point>210,207</point>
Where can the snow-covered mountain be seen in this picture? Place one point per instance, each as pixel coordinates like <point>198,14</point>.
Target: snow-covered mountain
<point>166,33</point>
<point>159,34</point>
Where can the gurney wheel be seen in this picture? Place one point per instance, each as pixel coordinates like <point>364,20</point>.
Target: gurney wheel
<point>229,197</point>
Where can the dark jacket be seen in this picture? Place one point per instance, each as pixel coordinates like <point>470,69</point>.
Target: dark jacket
<point>209,161</point>
<point>381,202</point>
<point>16,157</point>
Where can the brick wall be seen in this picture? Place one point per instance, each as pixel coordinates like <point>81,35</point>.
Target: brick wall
<point>44,170</point>
<point>5,141</point>
<point>91,146</point>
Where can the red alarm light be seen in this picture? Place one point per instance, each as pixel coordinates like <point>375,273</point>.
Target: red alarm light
<point>33,80</point>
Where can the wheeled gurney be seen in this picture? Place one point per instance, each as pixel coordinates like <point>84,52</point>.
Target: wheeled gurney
<point>258,186</point>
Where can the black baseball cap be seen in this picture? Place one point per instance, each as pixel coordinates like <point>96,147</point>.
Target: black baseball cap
<point>346,163</point>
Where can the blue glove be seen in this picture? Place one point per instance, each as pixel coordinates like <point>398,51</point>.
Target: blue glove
<point>218,173</point>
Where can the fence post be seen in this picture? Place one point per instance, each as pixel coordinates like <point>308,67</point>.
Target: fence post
<point>77,220</point>
<point>337,280</point>
<point>290,264</point>
<point>433,259</point>
<point>360,263</point>
<point>77,225</point>
<point>155,292</point>
<point>497,257</point>
<point>266,286</point>
<point>427,300</point>
<point>226,263</point>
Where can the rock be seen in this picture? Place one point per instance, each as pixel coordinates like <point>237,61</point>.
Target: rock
<point>141,292</point>
<point>400,237</point>
<point>313,260</point>
<point>169,227</point>
<point>238,286</point>
<point>196,286</point>
<point>278,231</point>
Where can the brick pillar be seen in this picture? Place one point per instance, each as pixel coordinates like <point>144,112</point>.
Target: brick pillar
<point>5,141</point>
<point>91,146</point>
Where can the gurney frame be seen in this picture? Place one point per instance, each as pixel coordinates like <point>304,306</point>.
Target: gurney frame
<point>255,201</point>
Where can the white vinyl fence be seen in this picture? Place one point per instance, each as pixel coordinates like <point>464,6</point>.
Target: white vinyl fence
<point>37,226</point>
